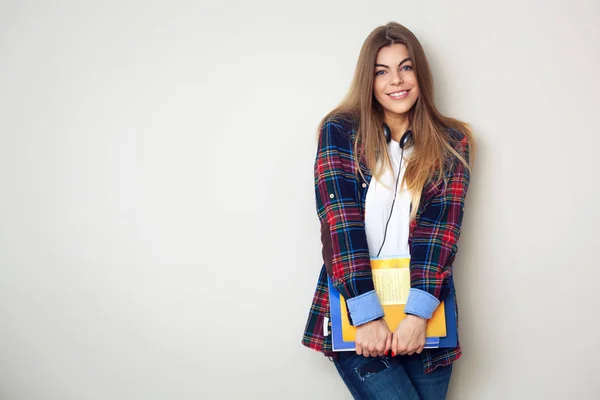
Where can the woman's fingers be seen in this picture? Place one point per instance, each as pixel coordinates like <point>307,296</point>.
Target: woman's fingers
<point>381,347</point>
<point>401,347</point>
<point>421,347</point>
<point>388,343</point>
<point>359,349</point>
<point>373,350</point>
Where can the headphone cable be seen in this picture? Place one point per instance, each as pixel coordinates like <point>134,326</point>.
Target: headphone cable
<point>393,201</point>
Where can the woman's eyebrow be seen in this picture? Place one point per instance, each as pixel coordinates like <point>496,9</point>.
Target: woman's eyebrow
<point>401,62</point>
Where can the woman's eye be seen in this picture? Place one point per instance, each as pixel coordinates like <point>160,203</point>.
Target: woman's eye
<point>407,66</point>
<point>380,72</point>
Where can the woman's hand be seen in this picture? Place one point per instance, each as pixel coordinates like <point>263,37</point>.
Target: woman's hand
<point>373,338</point>
<point>409,336</point>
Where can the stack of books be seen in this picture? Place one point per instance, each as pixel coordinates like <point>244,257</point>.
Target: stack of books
<point>391,277</point>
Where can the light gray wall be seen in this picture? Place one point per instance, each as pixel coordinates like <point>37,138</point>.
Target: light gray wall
<point>158,237</point>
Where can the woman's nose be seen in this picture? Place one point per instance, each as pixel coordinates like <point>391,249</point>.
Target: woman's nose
<point>396,78</point>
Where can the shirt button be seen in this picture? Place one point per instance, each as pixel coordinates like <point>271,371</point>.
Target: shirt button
<point>331,196</point>
<point>364,185</point>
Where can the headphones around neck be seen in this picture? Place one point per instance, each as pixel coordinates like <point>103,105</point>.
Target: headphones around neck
<point>388,136</point>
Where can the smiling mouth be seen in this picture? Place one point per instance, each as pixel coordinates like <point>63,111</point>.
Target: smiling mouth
<point>400,93</point>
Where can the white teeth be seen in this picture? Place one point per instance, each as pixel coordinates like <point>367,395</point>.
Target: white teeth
<point>398,94</point>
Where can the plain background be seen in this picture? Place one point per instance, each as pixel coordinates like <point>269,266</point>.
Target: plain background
<point>158,233</point>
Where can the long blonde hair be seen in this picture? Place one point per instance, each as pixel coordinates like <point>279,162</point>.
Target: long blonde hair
<point>431,137</point>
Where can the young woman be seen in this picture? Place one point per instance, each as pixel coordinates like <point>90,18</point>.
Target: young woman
<point>391,176</point>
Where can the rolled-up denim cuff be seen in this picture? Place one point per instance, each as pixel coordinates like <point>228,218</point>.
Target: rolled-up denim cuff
<point>421,303</point>
<point>364,308</point>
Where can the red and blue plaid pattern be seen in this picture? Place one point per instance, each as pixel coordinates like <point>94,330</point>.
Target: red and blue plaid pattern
<point>340,199</point>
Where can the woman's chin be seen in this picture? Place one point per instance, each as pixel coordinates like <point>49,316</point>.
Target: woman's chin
<point>397,109</point>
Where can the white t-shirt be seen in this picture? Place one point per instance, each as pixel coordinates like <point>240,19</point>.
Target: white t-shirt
<point>378,203</point>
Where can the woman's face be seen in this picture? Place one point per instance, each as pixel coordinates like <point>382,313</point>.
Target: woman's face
<point>395,86</point>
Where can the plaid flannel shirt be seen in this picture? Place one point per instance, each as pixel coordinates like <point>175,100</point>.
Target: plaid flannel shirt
<point>340,199</point>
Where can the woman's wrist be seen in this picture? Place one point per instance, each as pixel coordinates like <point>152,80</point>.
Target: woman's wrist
<point>415,317</point>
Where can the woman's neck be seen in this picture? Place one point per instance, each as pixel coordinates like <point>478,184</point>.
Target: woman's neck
<point>398,125</point>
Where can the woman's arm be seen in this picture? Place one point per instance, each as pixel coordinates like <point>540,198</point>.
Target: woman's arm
<point>435,239</point>
<point>345,250</point>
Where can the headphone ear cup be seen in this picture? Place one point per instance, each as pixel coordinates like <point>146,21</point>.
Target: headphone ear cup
<point>387,132</point>
<point>405,138</point>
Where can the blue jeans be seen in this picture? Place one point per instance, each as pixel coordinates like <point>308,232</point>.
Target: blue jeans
<point>398,378</point>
